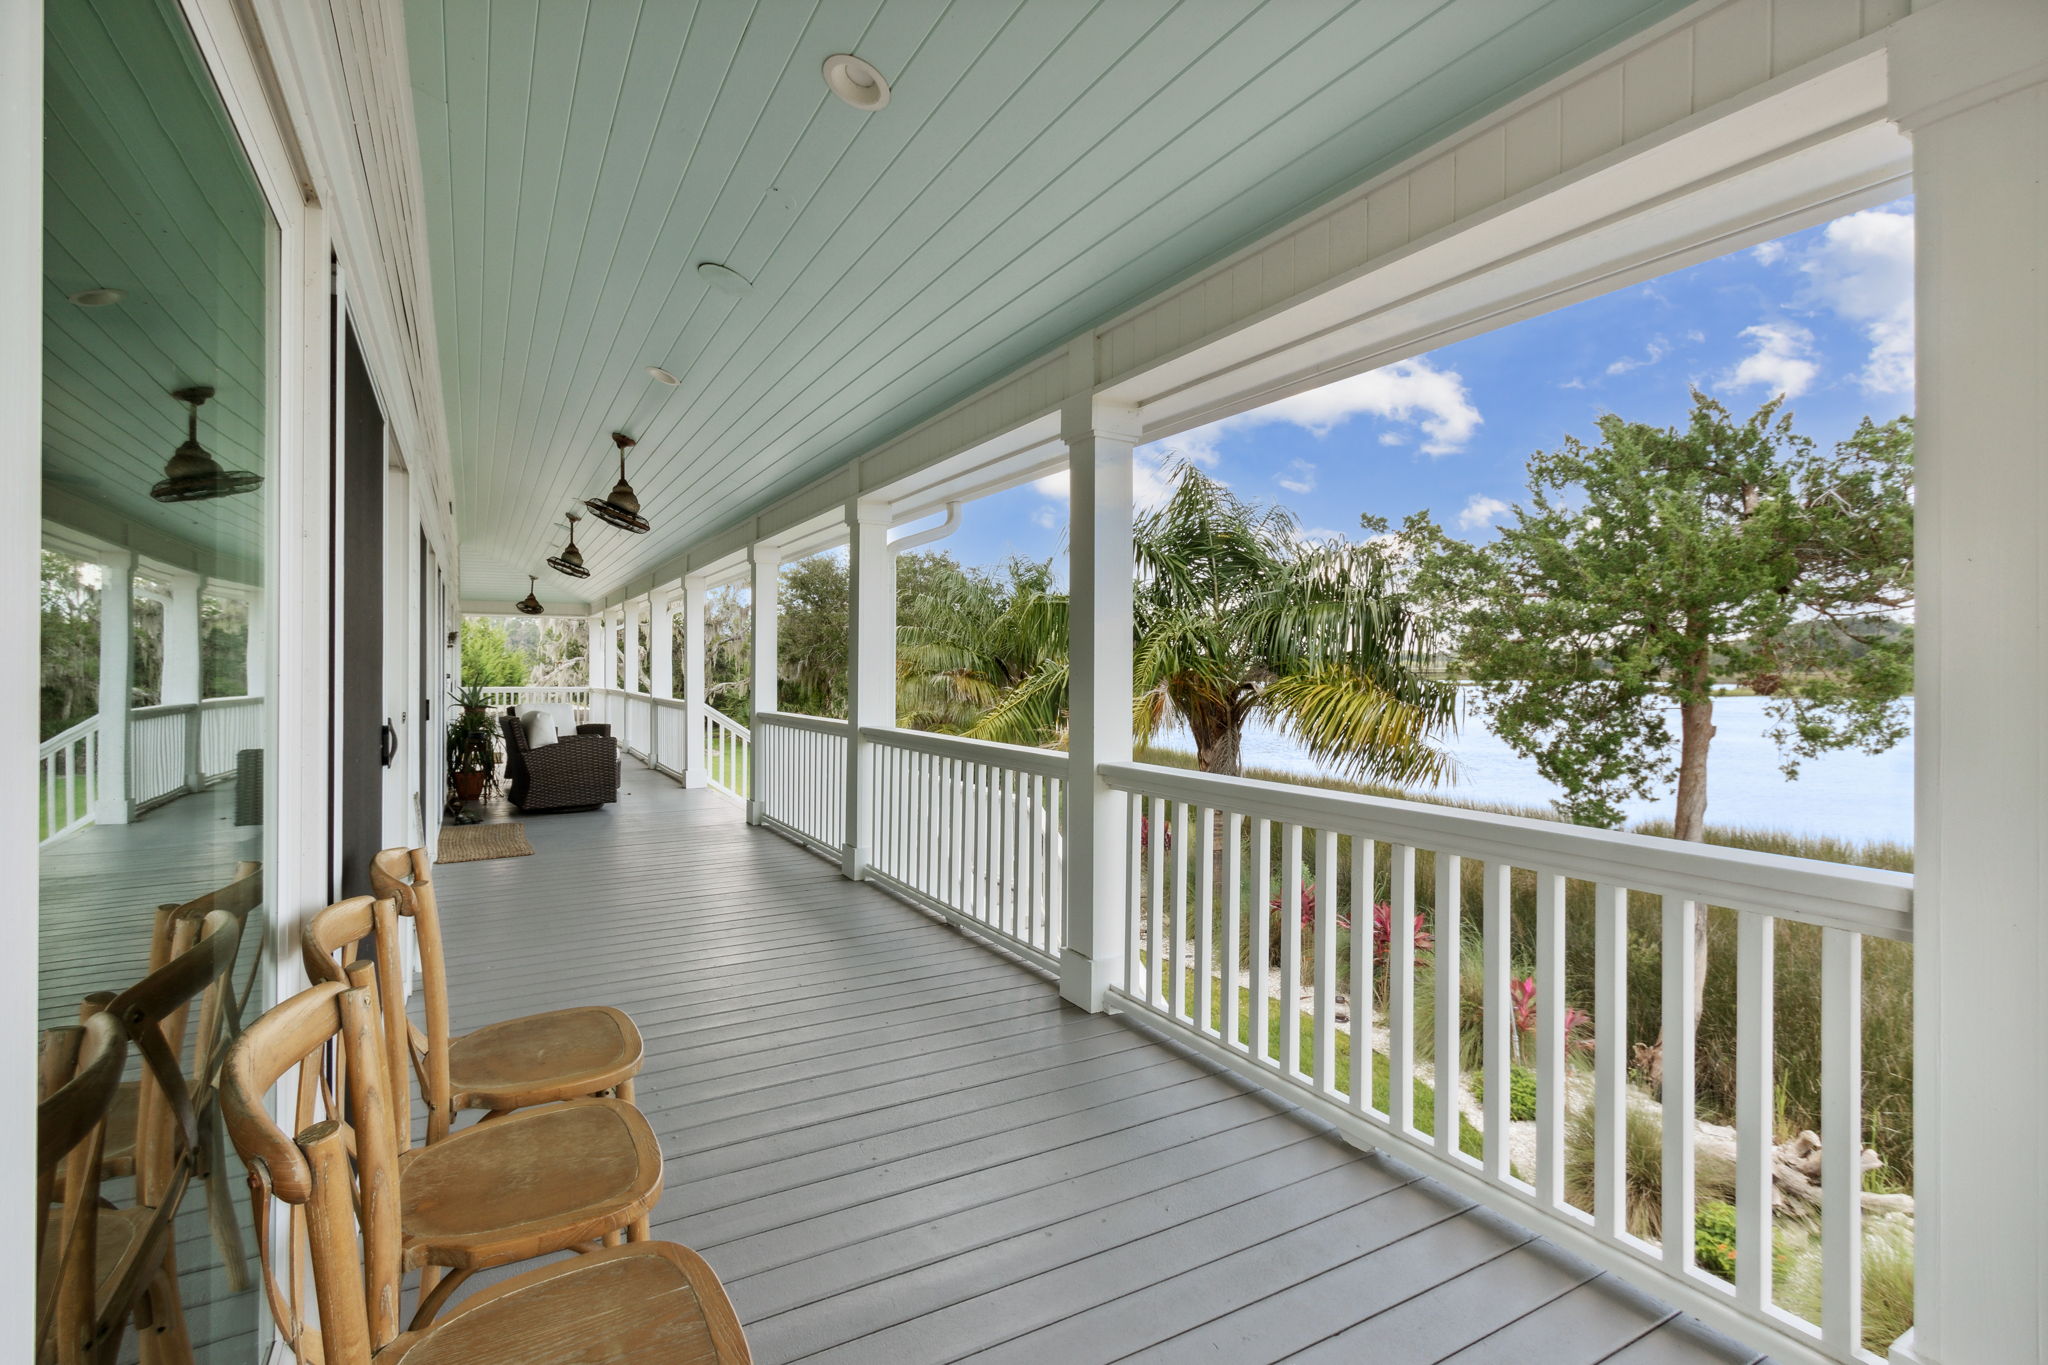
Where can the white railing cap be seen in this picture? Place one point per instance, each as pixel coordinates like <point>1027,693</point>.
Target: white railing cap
<point>1862,899</point>
<point>1018,757</point>
<point>822,725</point>
<point>70,736</point>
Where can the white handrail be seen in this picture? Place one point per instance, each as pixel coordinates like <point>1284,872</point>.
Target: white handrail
<point>62,737</point>
<point>803,775</point>
<point>1016,757</point>
<point>1250,862</point>
<point>975,832</point>
<point>794,720</point>
<point>69,757</point>
<point>1864,900</point>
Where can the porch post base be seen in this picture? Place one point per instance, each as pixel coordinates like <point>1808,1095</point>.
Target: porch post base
<point>853,863</point>
<point>753,812</point>
<point>1902,1352</point>
<point>692,779</point>
<point>1085,981</point>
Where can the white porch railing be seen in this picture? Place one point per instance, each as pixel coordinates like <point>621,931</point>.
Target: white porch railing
<point>803,768</point>
<point>1208,856</point>
<point>227,726</point>
<point>728,752</point>
<point>568,705</point>
<point>68,770</point>
<point>157,741</point>
<point>975,831</point>
<point>669,722</point>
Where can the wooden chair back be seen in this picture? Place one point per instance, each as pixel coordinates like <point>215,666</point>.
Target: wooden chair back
<point>152,1013</point>
<point>78,1073</point>
<point>331,942</point>
<point>405,877</point>
<point>345,1219</point>
<point>221,1010</point>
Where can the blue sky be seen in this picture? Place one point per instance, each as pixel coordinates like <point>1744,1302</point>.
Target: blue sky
<point>1824,315</point>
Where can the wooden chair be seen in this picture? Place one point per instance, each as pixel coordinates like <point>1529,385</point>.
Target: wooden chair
<point>534,1059</point>
<point>119,1264</point>
<point>554,1177</point>
<point>221,1007</point>
<point>643,1302</point>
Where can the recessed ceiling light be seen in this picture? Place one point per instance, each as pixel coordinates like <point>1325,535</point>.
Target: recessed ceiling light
<point>97,298</point>
<point>656,372</point>
<point>724,279</point>
<point>856,81</point>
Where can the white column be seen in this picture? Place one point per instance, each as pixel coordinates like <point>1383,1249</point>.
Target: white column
<point>593,652</point>
<point>181,638</point>
<point>181,680</point>
<point>1099,438</point>
<point>604,664</point>
<point>693,682</point>
<point>764,561</point>
<point>871,670</point>
<point>629,625</point>
<point>661,676</point>
<point>117,645</point>
<point>1970,85</point>
<point>661,645</point>
<point>256,655</point>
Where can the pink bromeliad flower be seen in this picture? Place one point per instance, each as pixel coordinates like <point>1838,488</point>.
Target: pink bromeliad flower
<point>1383,933</point>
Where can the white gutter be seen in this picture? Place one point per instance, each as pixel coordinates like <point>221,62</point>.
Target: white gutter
<point>930,533</point>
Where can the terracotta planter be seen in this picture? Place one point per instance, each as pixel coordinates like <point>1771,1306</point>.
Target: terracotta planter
<point>469,786</point>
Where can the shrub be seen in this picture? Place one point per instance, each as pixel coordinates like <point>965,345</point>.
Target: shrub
<point>1642,1160</point>
<point>1887,1281</point>
<point>1521,1091</point>
<point>1713,1238</point>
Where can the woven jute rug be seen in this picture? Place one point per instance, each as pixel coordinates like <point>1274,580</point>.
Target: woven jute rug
<point>481,843</point>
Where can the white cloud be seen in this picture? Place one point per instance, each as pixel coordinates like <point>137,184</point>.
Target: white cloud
<point>1573,383</point>
<point>1413,391</point>
<point>1654,352</point>
<point>1768,253</point>
<point>1393,438</point>
<point>1480,511</point>
<point>1046,518</point>
<point>1862,269</point>
<point>1781,361</point>
<point>1299,478</point>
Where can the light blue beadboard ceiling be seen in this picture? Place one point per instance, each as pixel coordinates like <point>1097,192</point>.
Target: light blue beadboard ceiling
<point>1042,165</point>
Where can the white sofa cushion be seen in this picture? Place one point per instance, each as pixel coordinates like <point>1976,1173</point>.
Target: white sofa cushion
<point>539,727</point>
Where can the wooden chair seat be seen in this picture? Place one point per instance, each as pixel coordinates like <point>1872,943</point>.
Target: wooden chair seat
<point>537,1181</point>
<point>650,1301</point>
<point>539,1058</point>
<point>117,1159</point>
<point>120,1233</point>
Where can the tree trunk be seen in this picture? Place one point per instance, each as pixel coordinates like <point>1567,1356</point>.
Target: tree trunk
<point>1696,733</point>
<point>1218,732</point>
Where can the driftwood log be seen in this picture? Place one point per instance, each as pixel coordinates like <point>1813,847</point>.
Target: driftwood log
<point>1796,1170</point>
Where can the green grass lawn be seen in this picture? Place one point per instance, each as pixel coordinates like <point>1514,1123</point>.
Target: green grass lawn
<point>728,761</point>
<point>62,807</point>
<point>1470,1140</point>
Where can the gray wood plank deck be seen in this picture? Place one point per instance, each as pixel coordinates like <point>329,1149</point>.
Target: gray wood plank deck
<point>895,1144</point>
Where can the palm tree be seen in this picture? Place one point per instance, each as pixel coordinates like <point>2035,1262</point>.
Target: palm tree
<point>971,641</point>
<point>1237,615</point>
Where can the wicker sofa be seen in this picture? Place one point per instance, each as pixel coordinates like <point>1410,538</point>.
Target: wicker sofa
<point>576,772</point>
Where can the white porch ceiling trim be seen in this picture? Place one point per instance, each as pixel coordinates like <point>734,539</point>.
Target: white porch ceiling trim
<point>1731,121</point>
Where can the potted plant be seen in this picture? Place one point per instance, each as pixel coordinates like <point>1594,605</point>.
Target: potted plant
<point>472,700</point>
<point>469,751</point>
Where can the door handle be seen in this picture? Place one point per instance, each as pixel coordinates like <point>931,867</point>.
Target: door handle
<point>389,745</point>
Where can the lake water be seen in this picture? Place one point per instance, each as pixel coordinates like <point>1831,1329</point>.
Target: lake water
<point>1848,795</point>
